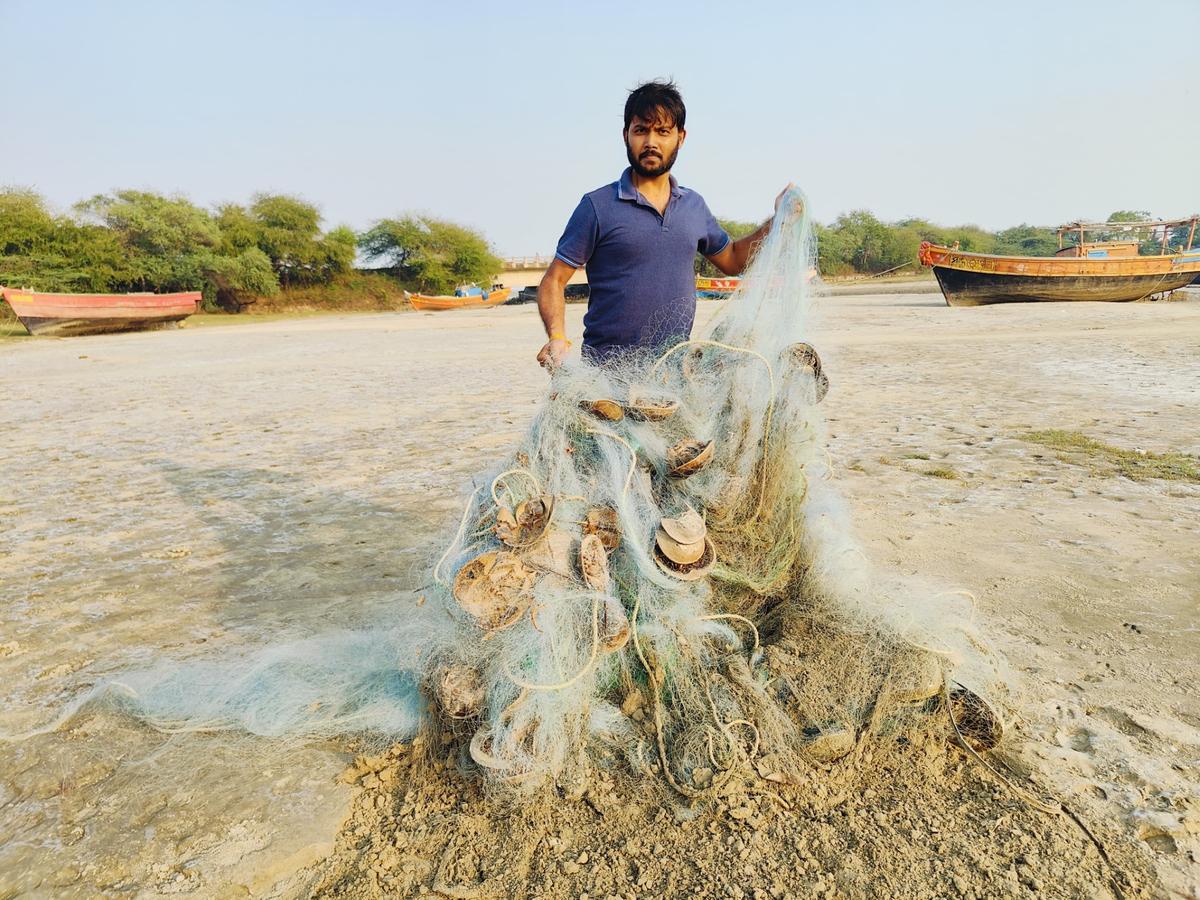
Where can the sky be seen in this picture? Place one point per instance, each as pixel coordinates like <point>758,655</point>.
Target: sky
<point>499,116</point>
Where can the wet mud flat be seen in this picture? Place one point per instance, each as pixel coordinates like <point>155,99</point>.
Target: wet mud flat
<point>190,493</point>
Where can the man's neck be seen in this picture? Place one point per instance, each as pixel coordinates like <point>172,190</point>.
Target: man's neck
<point>656,189</point>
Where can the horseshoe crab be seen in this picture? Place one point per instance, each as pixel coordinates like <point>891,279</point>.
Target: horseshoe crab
<point>614,625</point>
<point>527,525</point>
<point>688,457</point>
<point>804,356</point>
<point>609,410</point>
<point>593,563</point>
<point>495,588</point>
<point>688,571</point>
<point>603,521</point>
<point>460,692</point>
<point>651,410</point>
<point>975,720</point>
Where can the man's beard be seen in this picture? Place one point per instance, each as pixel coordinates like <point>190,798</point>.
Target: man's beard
<point>661,169</point>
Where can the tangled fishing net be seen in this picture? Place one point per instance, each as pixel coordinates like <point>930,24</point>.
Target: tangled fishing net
<point>660,568</point>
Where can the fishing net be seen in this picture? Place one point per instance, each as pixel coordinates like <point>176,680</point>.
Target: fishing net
<point>661,570</point>
<point>663,567</point>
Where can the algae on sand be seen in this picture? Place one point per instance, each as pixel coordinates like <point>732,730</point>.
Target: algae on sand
<point>1106,459</point>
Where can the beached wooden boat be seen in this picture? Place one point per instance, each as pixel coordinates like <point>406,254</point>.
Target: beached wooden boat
<point>716,286</point>
<point>432,303</point>
<point>70,314</point>
<point>1098,270</point>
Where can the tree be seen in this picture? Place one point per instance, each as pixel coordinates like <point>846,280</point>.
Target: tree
<point>340,246</point>
<point>238,230</point>
<point>26,225</point>
<point>1147,243</point>
<point>1027,240</point>
<point>48,252</point>
<point>288,230</point>
<point>234,279</point>
<point>1180,235</point>
<point>432,254</point>
<point>859,240</point>
<point>166,239</point>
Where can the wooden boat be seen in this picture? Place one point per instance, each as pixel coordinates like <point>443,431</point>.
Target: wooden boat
<point>1096,270</point>
<point>716,287</point>
<point>433,303</point>
<point>70,314</point>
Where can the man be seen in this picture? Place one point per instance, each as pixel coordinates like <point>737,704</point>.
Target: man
<point>638,238</point>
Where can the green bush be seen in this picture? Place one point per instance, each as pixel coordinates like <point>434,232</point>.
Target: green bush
<point>431,254</point>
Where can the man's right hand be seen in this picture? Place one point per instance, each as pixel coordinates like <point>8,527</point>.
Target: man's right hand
<point>552,355</point>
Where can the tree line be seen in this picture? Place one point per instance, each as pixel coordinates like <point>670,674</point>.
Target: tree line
<point>141,241</point>
<point>858,243</point>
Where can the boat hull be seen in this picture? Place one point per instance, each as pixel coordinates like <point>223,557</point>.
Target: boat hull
<point>979,279</point>
<point>427,303</point>
<point>65,315</point>
<point>724,285</point>
<point>980,289</point>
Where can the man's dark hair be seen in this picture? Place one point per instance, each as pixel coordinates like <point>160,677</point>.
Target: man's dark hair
<point>653,100</point>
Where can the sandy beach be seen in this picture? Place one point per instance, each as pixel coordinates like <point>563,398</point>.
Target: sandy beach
<point>203,490</point>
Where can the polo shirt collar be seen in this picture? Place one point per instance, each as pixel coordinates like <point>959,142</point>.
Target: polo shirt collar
<point>626,190</point>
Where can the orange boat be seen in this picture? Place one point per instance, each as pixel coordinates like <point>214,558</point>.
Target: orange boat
<point>69,314</point>
<point>1110,270</point>
<point>717,286</point>
<point>428,303</point>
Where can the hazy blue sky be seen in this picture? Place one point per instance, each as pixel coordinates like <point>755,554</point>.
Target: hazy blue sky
<point>501,115</point>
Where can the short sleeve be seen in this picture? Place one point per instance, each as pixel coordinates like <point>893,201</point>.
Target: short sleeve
<point>715,238</point>
<point>579,239</point>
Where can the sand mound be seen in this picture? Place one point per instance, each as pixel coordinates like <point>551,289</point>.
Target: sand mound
<point>917,822</point>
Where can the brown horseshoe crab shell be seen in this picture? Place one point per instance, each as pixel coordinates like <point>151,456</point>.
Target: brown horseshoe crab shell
<point>460,692</point>
<point>495,588</point>
<point>975,719</point>
<point>651,409</point>
<point>804,356</point>
<point>613,625</point>
<point>603,521</point>
<point>609,410</point>
<point>688,457</point>
<point>687,528</point>
<point>593,563</point>
<point>678,553</point>
<point>693,572</point>
<point>528,524</point>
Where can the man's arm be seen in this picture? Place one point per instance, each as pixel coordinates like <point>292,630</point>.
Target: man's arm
<point>735,256</point>
<point>552,306</point>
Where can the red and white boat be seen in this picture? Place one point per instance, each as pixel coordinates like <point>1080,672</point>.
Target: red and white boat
<point>67,314</point>
<point>716,287</point>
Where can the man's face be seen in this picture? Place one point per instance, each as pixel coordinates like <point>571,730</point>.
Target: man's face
<point>652,146</point>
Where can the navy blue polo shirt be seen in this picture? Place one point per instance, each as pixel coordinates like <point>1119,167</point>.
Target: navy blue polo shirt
<point>639,264</point>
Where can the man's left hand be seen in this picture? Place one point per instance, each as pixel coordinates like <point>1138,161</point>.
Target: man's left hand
<point>782,194</point>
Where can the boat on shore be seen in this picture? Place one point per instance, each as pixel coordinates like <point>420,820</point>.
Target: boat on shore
<point>1104,270</point>
<point>716,287</point>
<point>63,315</point>
<point>438,302</point>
